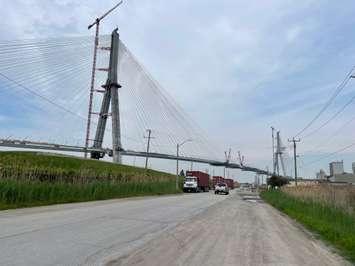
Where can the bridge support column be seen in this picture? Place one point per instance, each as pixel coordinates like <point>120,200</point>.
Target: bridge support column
<point>115,110</point>
<point>111,95</point>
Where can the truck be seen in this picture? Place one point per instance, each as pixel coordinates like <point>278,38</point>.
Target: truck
<point>221,188</point>
<point>196,181</point>
<point>217,179</point>
<point>229,182</point>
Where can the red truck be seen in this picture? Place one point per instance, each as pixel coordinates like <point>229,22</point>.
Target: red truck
<point>230,182</point>
<point>196,181</point>
<point>217,179</point>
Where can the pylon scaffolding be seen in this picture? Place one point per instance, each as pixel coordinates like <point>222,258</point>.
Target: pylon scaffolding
<point>110,96</point>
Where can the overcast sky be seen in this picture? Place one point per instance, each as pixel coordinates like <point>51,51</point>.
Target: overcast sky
<point>236,67</point>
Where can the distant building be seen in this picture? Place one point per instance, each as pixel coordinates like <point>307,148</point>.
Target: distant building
<point>343,178</point>
<point>321,175</point>
<point>303,182</point>
<point>337,174</point>
<point>336,168</point>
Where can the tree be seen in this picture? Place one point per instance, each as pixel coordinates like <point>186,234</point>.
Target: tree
<point>277,181</point>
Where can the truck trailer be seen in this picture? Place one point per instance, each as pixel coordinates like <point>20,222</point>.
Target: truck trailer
<point>217,179</point>
<point>196,181</point>
<point>230,183</point>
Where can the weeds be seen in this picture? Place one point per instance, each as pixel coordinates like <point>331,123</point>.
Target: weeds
<point>333,224</point>
<point>341,196</point>
<point>31,179</point>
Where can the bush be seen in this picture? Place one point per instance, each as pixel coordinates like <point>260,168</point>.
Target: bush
<point>277,181</point>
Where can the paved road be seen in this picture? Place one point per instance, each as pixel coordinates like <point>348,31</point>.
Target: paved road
<point>88,233</point>
<point>241,230</point>
<point>192,229</point>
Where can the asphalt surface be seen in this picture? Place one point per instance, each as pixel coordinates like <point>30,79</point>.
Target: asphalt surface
<point>189,229</point>
<point>90,233</point>
<point>242,230</point>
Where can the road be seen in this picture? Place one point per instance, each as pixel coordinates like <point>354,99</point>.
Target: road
<point>189,229</point>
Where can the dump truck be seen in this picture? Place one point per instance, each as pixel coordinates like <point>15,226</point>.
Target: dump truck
<point>196,181</point>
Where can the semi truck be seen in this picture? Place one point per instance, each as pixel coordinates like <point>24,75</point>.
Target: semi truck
<point>196,181</point>
<point>230,183</point>
<point>217,179</point>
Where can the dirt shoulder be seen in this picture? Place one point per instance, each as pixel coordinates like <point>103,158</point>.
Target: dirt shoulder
<point>242,230</point>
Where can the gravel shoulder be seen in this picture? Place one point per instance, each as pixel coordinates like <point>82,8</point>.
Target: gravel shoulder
<point>241,230</point>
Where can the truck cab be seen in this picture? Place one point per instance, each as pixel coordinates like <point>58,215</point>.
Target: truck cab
<point>221,188</point>
<point>190,184</point>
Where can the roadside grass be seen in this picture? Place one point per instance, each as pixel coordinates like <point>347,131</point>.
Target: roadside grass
<point>339,196</point>
<point>53,167</point>
<point>15,194</point>
<point>335,225</point>
<point>34,179</point>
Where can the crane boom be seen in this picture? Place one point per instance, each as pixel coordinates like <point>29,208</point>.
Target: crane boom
<point>104,15</point>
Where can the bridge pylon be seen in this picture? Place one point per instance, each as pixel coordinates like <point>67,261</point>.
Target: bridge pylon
<point>110,96</point>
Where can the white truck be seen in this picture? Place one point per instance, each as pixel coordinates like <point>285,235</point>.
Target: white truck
<point>221,188</point>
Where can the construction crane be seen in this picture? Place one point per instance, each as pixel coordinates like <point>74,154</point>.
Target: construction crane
<point>92,86</point>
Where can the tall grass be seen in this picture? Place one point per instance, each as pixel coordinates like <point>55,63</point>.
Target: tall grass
<point>340,196</point>
<point>33,166</point>
<point>334,224</point>
<point>14,194</point>
<point>30,179</point>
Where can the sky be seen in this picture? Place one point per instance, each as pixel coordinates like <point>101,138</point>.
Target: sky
<point>235,67</point>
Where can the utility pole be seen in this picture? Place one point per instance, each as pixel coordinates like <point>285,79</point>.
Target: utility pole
<point>228,156</point>
<point>177,166</point>
<point>278,152</point>
<point>295,155</point>
<point>178,145</point>
<point>93,71</point>
<point>273,149</point>
<point>148,145</point>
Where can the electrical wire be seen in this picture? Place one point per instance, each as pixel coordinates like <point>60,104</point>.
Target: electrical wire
<point>339,88</point>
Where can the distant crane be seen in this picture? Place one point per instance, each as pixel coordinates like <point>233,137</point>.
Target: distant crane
<point>241,158</point>
<point>279,158</point>
<point>228,157</point>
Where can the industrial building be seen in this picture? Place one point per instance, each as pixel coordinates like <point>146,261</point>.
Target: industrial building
<point>336,168</point>
<point>337,174</point>
<point>321,175</point>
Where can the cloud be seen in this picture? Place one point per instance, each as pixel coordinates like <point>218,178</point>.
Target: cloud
<point>236,67</point>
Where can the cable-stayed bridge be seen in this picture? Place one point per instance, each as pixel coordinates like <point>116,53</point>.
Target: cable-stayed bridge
<point>48,83</point>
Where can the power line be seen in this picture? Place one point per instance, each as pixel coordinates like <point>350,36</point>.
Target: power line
<point>335,133</point>
<point>331,118</point>
<point>339,88</point>
<point>331,154</point>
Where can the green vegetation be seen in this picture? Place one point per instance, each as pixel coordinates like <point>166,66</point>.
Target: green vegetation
<point>333,224</point>
<point>32,179</point>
